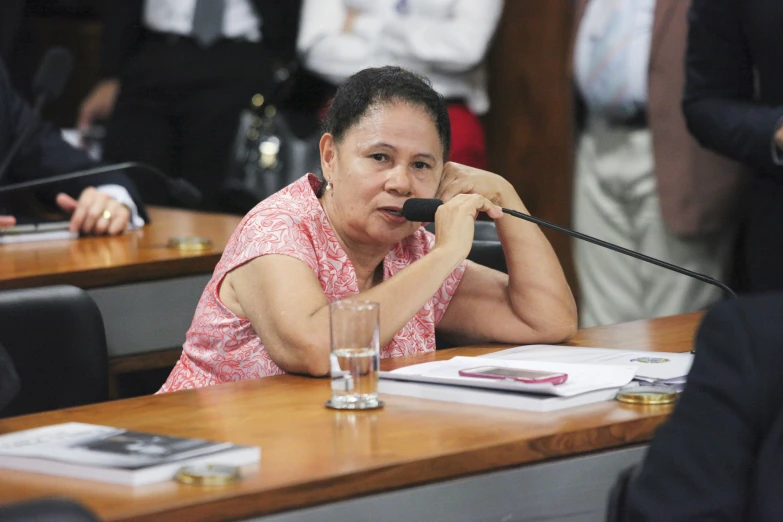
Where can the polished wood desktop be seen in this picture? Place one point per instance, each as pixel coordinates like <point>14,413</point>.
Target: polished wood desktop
<point>139,255</point>
<point>146,291</point>
<point>328,464</point>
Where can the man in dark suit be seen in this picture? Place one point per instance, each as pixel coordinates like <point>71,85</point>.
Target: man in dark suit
<point>719,455</point>
<point>173,87</point>
<point>734,105</point>
<point>109,209</point>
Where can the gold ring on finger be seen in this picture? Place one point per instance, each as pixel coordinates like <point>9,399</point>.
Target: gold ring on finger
<point>106,215</point>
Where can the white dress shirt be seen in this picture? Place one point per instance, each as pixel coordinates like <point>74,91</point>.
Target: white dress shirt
<point>176,16</point>
<point>445,40</point>
<point>592,32</point>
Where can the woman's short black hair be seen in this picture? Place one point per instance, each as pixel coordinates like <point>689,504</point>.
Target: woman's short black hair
<point>380,86</point>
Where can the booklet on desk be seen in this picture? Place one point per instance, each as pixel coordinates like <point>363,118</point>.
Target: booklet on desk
<point>650,366</point>
<point>115,455</point>
<point>441,381</point>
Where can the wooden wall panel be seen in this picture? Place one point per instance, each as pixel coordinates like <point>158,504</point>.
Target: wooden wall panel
<point>529,126</point>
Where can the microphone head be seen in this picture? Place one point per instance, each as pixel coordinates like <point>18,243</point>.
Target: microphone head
<point>420,209</point>
<point>53,73</point>
<point>184,192</point>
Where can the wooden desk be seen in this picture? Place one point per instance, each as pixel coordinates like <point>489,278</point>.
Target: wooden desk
<point>413,460</point>
<point>146,291</point>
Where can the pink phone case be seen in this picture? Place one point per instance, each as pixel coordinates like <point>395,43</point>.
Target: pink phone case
<point>558,378</point>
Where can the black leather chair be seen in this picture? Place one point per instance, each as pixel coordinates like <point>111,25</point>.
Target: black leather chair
<point>486,248</point>
<point>46,510</point>
<point>55,338</point>
<point>616,508</point>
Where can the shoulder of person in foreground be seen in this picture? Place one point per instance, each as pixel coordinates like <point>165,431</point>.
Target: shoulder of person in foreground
<point>693,471</point>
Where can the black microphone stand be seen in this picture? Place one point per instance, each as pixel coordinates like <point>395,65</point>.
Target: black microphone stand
<point>617,248</point>
<point>32,123</point>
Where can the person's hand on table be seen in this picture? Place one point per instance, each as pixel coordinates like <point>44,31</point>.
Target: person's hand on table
<point>95,213</point>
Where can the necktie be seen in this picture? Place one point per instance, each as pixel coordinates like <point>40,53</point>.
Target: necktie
<point>208,21</point>
<point>607,83</point>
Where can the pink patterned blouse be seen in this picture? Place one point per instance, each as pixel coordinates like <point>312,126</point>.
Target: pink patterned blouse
<point>221,347</point>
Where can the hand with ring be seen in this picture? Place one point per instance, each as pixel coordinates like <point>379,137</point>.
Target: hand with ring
<point>95,213</point>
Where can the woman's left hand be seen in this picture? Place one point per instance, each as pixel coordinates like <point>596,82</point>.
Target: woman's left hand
<point>461,179</point>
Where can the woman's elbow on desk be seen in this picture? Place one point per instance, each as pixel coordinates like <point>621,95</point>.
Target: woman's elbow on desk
<point>301,356</point>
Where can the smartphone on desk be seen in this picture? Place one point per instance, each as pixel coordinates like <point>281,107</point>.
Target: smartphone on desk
<point>515,374</point>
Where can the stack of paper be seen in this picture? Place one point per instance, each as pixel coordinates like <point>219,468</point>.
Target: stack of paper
<point>659,368</point>
<point>441,381</point>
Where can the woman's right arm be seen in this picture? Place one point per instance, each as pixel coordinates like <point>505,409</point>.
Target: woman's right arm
<point>283,299</point>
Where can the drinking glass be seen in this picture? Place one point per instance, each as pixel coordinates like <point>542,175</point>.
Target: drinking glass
<point>355,354</point>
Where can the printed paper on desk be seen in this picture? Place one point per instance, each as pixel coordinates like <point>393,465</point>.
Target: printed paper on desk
<point>649,365</point>
<point>582,378</point>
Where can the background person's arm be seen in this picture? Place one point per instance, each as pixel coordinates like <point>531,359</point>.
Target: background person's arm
<point>120,39</point>
<point>326,48</point>
<point>45,153</point>
<point>457,43</point>
<point>719,101</point>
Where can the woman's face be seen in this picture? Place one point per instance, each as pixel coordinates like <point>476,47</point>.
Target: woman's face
<point>392,154</point>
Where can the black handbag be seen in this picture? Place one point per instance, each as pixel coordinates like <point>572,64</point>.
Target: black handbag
<point>267,154</point>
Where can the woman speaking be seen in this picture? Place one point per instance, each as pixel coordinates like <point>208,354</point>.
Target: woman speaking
<point>266,309</point>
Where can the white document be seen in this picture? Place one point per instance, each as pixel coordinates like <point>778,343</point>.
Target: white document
<point>582,378</point>
<point>49,235</point>
<point>650,366</point>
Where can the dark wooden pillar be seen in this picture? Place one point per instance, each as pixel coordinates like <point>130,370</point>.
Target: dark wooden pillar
<point>529,126</point>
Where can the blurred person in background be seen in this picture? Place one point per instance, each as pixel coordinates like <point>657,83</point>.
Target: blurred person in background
<point>734,106</point>
<point>176,75</point>
<point>444,40</point>
<point>102,204</point>
<point>640,180</point>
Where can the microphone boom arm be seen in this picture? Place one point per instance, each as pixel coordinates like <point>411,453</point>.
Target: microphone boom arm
<point>616,248</point>
<point>83,173</point>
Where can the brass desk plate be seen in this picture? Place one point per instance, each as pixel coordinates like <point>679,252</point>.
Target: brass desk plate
<point>647,395</point>
<point>190,243</point>
<point>208,475</point>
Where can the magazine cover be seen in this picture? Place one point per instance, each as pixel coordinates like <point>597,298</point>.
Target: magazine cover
<point>103,446</point>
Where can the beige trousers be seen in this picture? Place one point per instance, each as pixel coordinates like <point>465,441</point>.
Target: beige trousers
<point>615,199</point>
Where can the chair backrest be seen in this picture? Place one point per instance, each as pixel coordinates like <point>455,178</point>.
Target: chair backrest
<point>46,510</point>
<point>55,338</point>
<point>616,508</point>
<point>486,249</point>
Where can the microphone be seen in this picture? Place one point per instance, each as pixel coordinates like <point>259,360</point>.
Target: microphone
<point>47,85</point>
<point>52,75</point>
<point>179,188</point>
<point>423,210</point>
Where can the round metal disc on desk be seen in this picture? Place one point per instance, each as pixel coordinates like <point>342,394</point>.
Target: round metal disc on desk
<point>208,475</point>
<point>371,406</point>
<point>647,395</point>
<point>190,243</point>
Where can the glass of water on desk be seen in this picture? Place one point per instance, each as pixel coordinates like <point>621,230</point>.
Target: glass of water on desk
<point>355,354</point>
